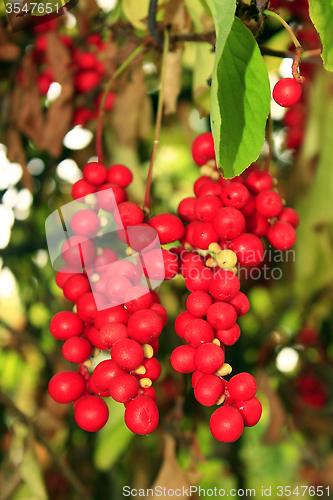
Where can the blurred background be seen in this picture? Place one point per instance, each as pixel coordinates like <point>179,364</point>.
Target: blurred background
<point>48,127</point>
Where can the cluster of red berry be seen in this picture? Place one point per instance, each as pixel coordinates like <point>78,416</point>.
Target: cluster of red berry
<point>114,309</point>
<point>88,72</point>
<point>226,221</point>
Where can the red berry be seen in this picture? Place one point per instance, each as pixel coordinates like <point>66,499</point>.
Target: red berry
<point>206,207</point>
<point>182,359</point>
<point>259,181</point>
<point>85,60</point>
<point>85,222</point>
<point>161,311</point>
<point>226,424</point>
<point>281,235</point>
<point>128,214</point>
<point>203,235</point>
<point>141,415</point>
<point>169,227</point>
<point>230,336</point>
<point>195,377</point>
<point>182,320</point>
<point>120,175</point>
<point>153,369</point>
<point>269,203</point>
<point>210,188</point>
<point>109,103</point>
<point>110,333</point>
<point>127,354</point>
<point>65,387</point>
<point>229,223</point>
<point>81,188</point>
<point>208,390</point>
<point>81,117</point>
<point>149,392</point>
<point>157,268</point>
<point>122,268</point>
<point>186,209</point>
<point>203,148</point>
<point>64,274</point>
<point>95,390</point>
<point>76,350</point>
<point>289,215</point>
<point>198,302</point>
<point>248,248</point>
<point>144,325</point>
<point>257,224</point>
<point>65,325</point>
<point>43,83</point>
<point>78,252</point>
<point>249,206</point>
<point>199,278</point>
<point>242,386</point>
<point>104,373</point>
<point>240,303</point>
<point>91,413</point>
<point>123,387</point>
<point>190,260</point>
<point>200,182</point>
<point>287,92</point>
<point>198,332</point>
<point>250,410</point>
<point>136,298</point>
<point>109,196</point>
<point>93,337</point>
<point>94,173</point>
<point>224,286</point>
<point>114,314</point>
<point>235,195</point>
<point>105,257</point>
<point>221,315</point>
<point>117,287</point>
<point>87,306</point>
<point>76,286</point>
<point>85,81</point>
<point>208,358</point>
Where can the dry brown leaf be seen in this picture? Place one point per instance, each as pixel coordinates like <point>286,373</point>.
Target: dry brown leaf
<point>59,113</point>
<point>278,417</point>
<point>129,106</point>
<point>16,154</point>
<point>177,17</point>
<point>171,476</point>
<point>108,58</point>
<point>9,51</point>
<point>173,79</point>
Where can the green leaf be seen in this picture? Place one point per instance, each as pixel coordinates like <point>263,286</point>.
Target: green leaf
<point>202,71</point>
<point>200,15</point>
<point>321,13</point>
<point>223,13</point>
<point>240,102</point>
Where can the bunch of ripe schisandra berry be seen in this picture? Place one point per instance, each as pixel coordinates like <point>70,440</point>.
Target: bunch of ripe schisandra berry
<point>226,221</point>
<point>116,310</point>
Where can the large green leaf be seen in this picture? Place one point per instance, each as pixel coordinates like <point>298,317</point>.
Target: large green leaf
<point>223,13</point>
<point>321,13</point>
<point>240,101</point>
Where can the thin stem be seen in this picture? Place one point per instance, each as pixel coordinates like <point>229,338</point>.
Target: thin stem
<point>311,53</point>
<point>63,467</point>
<point>107,88</point>
<point>286,25</point>
<point>269,141</point>
<point>152,24</point>
<point>146,204</point>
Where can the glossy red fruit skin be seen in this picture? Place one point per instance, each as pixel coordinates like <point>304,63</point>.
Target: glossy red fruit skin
<point>230,336</point>
<point>259,181</point>
<point>198,303</point>
<point>78,252</point>
<point>182,320</point>
<point>117,287</point>
<point>156,269</point>
<point>85,223</point>
<point>250,410</point>
<point>203,235</point>
<point>182,359</point>
<point>199,278</point>
<point>65,325</point>
<point>195,377</point>
<point>198,332</point>
<point>224,286</point>
<point>65,387</point>
<point>186,209</point>
<point>91,413</point>
<point>128,214</point>
<point>85,60</point>
<point>109,103</point>
<point>104,372</point>
<point>241,303</point>
<point>235,195</point>
<point>281,235</point>
<point>127,354</point>
<point>114,314</point>
<point>149,392</point>
<point>229,223</point>
<point>111,195</point>
<point>106,257</point>
<point>95,390</point>
<point>168,226</point>
<point>43,83</point>
<point>287,92</point>
<point>76,350</point>
<point>203,148</point>
<point>123,387</point>
<point>122,268</point>
<point>190,260</point>
<point>93,337</point>
<point>120,175</point>
<point>248,248</point>
<point>153,369</point>
<point>136,298</point>
<point>110,333</point>
<point>81,188</point>
<point>161,311</point>
<point>257,224</point>
<point>81,116</point>
<point>208,358</point>
<point>64,274</point>
<point>268,203</point>
<point>94,173</point>
<point>141,415</point>
<point>86,306</point>
<point>210,188</point>
<point>249,207</point>
<point>200,182</point>
<point>221,315</point>
<point>85,81</point>
<point>289,215</point>
<point>206,207</point>
<point>242,386</point>
<point>144,326</point>
<point>208,390</point>
<point>76,286</point>
<point>226,424</point>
